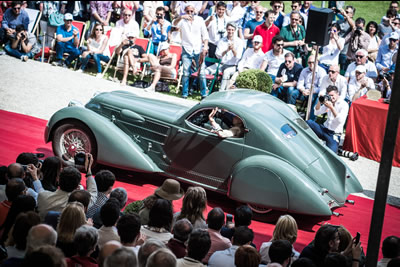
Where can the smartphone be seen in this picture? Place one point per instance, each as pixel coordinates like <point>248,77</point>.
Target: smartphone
<point>229,218</point>
<point>357,239</point>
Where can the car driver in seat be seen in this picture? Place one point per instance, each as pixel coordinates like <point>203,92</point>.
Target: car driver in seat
<point>237,130</point>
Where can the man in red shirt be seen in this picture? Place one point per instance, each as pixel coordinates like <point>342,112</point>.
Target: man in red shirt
<point>267,30</point>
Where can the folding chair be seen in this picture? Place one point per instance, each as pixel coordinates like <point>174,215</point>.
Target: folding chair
<point>81,26</point>
<point>211,78</point>
<point>34,19</point>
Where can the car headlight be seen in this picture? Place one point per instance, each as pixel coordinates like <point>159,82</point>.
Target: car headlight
<point>74,103</point>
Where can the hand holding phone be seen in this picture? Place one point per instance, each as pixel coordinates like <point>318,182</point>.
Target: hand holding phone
<point>357,238</point>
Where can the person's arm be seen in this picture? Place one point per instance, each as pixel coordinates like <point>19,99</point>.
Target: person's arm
<point>209,20</point>
<point>103,45</point>
<point>173,61</point>
<point>75,35</point>
<point>26,47</point>
<point>203,7</point>
<point>37,184</point>
<point>91,186</point>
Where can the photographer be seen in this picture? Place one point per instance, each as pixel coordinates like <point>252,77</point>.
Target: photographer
<point>216,26</point>
<point>23,46</point>
<point>159,29</point>
<point>357,39</point>
<point>337,110</point>
<point>293,35</point>
<point>385,83</point>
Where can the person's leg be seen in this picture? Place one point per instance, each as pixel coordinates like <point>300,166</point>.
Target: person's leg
<point>187,63</point>
<point>330,141</point>
<point>101,57</point>
<point>13,52</point>
<point>292,94</point>
<point>202,77</point>
<point>313,104</point>
<point>60,49</point>
<point>233,80</point>
<point>157,75</point>
<point>277,92</point>
<point>85,59</point>
<point>73,53</point>
<point>227,74</point>
<point>126,69</point>
<point>317,128</point>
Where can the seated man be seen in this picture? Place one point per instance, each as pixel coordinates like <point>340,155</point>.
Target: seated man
<point>286,79</point>
<point>24,45</point>
<point>13,17</point>
<point>67,42</point>
<point>236,131</point>
<point>337,110</point>
<point>361,59</point>
<point>127,23</point>
<point>132,55</point>
<point>385,53</point>
<point>361,85</point>
<point>252,59</point>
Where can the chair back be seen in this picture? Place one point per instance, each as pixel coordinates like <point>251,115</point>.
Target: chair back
<point>176,49</point>
<point>34,19</point>
<point>81,26</point>
<point>144,43</point>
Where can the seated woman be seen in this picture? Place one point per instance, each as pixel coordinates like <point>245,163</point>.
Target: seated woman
<point>96,44</point>
<point>237,130</point>
<point>165,67</point>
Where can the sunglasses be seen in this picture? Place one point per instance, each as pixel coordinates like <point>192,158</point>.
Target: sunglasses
<point>127,15</point>
<point>255,42</point>
<point>293,6</point>
<point>392,40</point>
<point>279,45</point>
<point>99,30</point>
<point>358,56</point>
<point>69,20</point>
<point>189,11</point>
<point>396,23</point>
<point>331,71</point>
<point>277,6</point>
<point>16,8</point>
<point>288,61</point>
<point>349,12</point>
<point>259,12</point>
<point>295,19</point>
<point>358,73</point>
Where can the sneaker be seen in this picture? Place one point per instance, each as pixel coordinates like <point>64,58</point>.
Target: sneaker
<point>184,96</point>
<point>150,89</point>
<point>24,58</point>
<point>99,75</point>
<point>57,63</point>
<point>80,71</point>
<point>2,53</point>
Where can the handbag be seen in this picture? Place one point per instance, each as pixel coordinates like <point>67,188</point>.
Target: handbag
<point>56,19</point>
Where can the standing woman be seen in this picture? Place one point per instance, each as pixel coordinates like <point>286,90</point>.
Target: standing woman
<point>374,42</point>
<point>96,44</point>
<point>330,52</point>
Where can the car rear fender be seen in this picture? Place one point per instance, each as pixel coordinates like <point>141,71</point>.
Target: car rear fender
<point>274,183</point>
<point>115,147</point>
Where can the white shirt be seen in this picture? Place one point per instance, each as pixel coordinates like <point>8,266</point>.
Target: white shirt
<point>193,33</point>
<point>354,85</point>
<point>251,59</point>
<point>237,14</point>
<point>131,26</point>
<point>229,58</point>
<point>371,70</point>
<point>214,28</point>
<point>330,52</point>
<point>274,61</point>
<point>340,83</point>
<point>334,123</point>
<point>305,79</point>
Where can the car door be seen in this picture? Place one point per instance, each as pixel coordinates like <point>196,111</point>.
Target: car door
<point>200,156</point>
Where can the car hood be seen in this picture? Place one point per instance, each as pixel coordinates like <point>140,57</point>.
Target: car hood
<point>146,107</point>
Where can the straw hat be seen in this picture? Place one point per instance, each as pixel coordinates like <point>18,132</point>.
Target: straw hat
<point>170,190</point>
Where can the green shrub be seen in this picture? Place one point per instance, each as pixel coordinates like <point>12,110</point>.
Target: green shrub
<point>133,207</point>
<point>254,79</point>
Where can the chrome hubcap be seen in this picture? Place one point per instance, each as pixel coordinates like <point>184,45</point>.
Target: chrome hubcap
<point>74,141</point>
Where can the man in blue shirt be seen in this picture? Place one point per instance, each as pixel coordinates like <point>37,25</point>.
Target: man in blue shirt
<point>160,29</point>
<point>67,42</point>
<point>251,25</point>
<point>12,17</point>
<point>385,53</point>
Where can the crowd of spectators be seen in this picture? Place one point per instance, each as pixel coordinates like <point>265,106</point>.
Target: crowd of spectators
<point>65,233</point>
<point>243,35</point>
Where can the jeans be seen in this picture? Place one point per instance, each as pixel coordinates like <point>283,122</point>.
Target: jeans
<point>62,48</point>
<point>16,53</point>
<point>187,63</point>
<point>283,93</point>
<point>97,58</point>
<point>325,134</point>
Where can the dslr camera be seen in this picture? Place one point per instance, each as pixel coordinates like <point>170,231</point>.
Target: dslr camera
<point>324,98</point>
<point>130,42</point>
<point>358,30</point>
<point>385,75</point>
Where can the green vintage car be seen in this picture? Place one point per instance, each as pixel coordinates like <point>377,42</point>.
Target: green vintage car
<point>277,163</point>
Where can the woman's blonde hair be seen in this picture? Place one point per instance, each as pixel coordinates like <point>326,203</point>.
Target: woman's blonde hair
<point>194,203</point>
<point>285,229</point>
<point>346,240</point>
<point>72,217</point>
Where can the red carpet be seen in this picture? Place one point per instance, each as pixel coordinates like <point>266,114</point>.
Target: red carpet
<point>21,133</point>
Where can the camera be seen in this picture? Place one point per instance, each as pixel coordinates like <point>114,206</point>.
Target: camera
<point>159,17</point>
<point>358,30</point>
<point>80,158</point>
<point>324,98</point>
<point>23,36</point>
<point>221,33</point>
<point>301,51</point>
<point>353,156</point>
<point>130,42</point>
<point>385,75</point>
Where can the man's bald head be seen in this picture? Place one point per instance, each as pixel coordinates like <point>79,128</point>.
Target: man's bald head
<point>107,250</point>
<point>15,170</point>
<point>40,235</point>
<point>14,188</point>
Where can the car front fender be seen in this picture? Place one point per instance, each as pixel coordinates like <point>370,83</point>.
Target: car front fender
<point>115,147</point>
<point>274,183</point>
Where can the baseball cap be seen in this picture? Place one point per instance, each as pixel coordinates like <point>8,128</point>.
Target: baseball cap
<point>258,38</point>
<point>164,46</point>
<point>394,35</point>
<point>68,16</point>
<point>361,68</point>
<point>131,34</point>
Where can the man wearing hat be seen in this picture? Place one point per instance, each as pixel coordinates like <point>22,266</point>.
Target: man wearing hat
<point>67,42</point>
<point>164,67</point>
<point>386,52</point>
<point>169,190</point>
<point>360,85</point>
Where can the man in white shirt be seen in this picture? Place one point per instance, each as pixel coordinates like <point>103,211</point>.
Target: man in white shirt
<point>216,26</point>
<point>274,57</point>
<point>360,85</point>
<point>194,34</point>
<point>361,59</point>
<point>229,50</point>
<point>127,24</point>
<point>252,59</point>
<point>337,110</point>
<point>334,78</point>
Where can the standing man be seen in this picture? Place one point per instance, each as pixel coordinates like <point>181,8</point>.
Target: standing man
<point>304,11</point>
<point>357,39</point>
<point>67,42</point>
<point>159,29</point>
<point>296,6</point>
<point>216,25</point>
<point>128,23</point>
<point>293,35</point>
<point>248,15</point>
<point>274,57</point>
<point>13,17</point>
<point>337,110</point>
<point>251,25</point>
<point>193,29</point>
<point>276,9</point>
<point>287,77</point>
<point>229,50</point>
<point>267,30</point>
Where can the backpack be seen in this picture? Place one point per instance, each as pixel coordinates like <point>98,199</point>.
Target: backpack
<point>56,19</point>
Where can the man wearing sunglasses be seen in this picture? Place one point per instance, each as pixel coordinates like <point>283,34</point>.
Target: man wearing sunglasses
<point>296,6</point>
<point>13,17</point>
<point>334,78</point>
<point>159,29</point>
<point>128,23</point>
<point>361,59</point>
<point>385,53</point>
<point>67,42</point>
<point>252,25</point>
<point>194,45</point>
<point>274,57</point>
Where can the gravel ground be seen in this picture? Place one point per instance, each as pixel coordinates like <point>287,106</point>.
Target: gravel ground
<point>39,89</point>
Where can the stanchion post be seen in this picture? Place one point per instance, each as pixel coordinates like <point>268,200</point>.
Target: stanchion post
<point>310,96</point>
